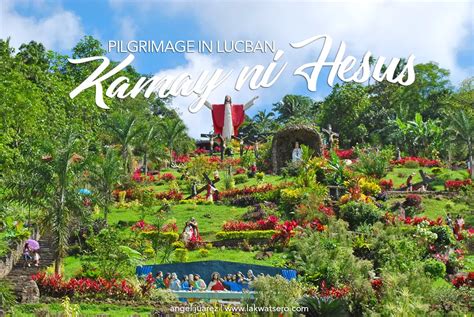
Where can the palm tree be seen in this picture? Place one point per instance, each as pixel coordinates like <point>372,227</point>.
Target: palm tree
<point>64,201</point>
<point>462,128</point>
<point>148,144</point>
<point>172,130</point>
<point>124,133</point>
<point>264,120</point>
<point>105,175</point>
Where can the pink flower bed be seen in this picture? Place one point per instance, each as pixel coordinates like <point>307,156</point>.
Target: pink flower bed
<point>454,185</point>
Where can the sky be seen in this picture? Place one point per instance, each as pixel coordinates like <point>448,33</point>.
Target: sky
<point>438,31</point>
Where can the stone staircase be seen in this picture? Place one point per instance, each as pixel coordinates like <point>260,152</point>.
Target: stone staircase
<point>21,273</point>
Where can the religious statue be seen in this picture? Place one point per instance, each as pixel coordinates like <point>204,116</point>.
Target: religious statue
<point>332,136</point>
<point>228,117</point>
<point>190,231</point>
<point>297,154</point>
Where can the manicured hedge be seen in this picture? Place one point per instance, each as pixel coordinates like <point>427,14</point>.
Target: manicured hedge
<point>252,234</point>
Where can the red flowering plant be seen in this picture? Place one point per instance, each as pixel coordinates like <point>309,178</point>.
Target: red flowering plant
<point>461,280</point>
<point>420,160</point>
<point>327,210</point>
<point>170,195</point>
<point>240,170</point>
<point>54,286</point>
<point>346,154</point>
<point>376,284</point>
<point>285,232</point>
<point>333,292</point>
<point>139,177</point>
<point>386,184</point>
<point>142,226</point>
<point>167,177</point>
<point>200,151</point>
<point>264,224</point>
<point>455,185</point>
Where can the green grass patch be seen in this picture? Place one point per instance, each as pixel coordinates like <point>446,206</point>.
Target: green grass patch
<point>399,176</point>
<point>85,310</point>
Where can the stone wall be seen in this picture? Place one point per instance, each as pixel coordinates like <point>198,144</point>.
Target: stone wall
<point>7,262</point>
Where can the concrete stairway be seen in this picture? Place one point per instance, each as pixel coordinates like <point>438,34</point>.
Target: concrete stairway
<point>21,273</point>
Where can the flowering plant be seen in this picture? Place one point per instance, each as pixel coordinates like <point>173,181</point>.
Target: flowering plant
<point>386,184</point>
<point>170,195</point>
<point>454,185</point>
<point>167,177</point>
<point>264,224</point>
<point>420,160</point>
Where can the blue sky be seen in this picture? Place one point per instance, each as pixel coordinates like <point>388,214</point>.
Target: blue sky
<point>432,31</point>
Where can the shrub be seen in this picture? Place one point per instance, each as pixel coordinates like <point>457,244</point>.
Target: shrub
<point>445,236</point>
<point>181,254</point>
<point>386,184</point>
<point>374,163</point>
<point>411,164</point>
<point>7,298</point>
<point>434,268</point>
<point>291,197</point>
<point>249,234</point>
<point>203,253</point>
<point>241,178</point>
<point>455,185</point>
<point>239,170</point>
<point>169,195</point>
<point>229,182</point>
<point>167,177</point>
<point>260,176</point>
<point>358,213</point>
<point>276,291</point>
<point>412,204</point>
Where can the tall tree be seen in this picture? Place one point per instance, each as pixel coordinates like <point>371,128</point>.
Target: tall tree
<point>106,174</point>
<point>293,107</point>
<point>124,132</point>
<point>462,128</point>
<point>264,121</point>
<point>173,131</point>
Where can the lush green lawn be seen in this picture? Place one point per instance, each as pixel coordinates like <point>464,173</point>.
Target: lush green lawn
<point>434,208</point>
<point>85,310</point>
<point>399,176</point>
<point>209,217</point>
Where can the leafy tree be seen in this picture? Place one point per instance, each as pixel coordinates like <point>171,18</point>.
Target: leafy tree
<point>462,129</point>
<point>124,133</point>
<point>62,167</point>
<point>149,144</point>
<point>292,107</point>
<point>173,132</point>
<point>419,136</point>
<point>105,175</point>
<point>343,109</point>
<point>264,121</point>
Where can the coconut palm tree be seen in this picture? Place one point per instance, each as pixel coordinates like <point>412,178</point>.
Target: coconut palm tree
<point>105,174</point>
<point>264,120</point>
<point>172,131</point>
<point>62,168</point>
<point>149,144</point>
<point>462,128</point>
<point>124,133</point>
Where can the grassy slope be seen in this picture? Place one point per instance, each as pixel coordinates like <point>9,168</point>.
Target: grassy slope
<point>399,176</point>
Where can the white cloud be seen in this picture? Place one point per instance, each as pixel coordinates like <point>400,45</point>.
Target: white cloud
<point>59,30</point>
<point>127,29</point>
<point>432,31</point>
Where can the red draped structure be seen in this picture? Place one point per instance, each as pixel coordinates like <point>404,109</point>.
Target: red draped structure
<point>218,113</point>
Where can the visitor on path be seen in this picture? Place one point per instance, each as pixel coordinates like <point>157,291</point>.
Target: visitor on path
<point>27,254</point>
<point>175,284</point>
<point>297,155</point>
<point>36,258</point>
<point>410,183</point>
<point>199,283</point>
<point>216,283</point>
<point>159,282</point>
